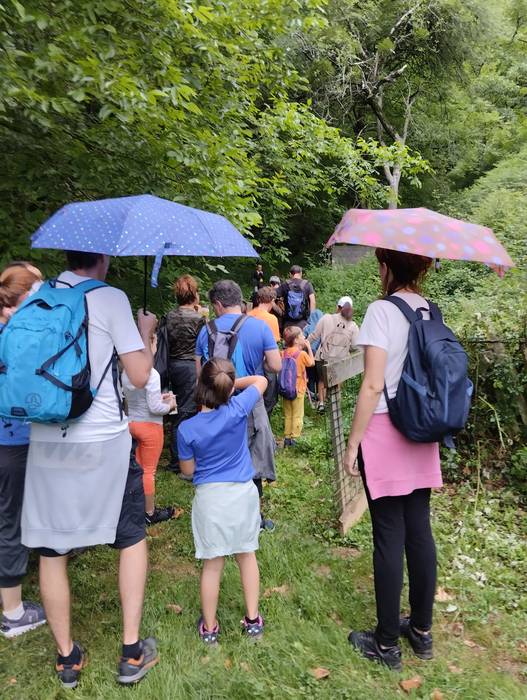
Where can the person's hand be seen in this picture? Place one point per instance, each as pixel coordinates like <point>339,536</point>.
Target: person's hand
<point>350,461</point>
<point>146,322</point>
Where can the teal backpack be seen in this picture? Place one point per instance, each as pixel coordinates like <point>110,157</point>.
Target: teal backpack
<point>44,365</point>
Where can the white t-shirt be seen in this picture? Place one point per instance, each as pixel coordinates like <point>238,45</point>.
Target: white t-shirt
<point>384,326</point>
<point>111,324</point>
<point>145,405</point>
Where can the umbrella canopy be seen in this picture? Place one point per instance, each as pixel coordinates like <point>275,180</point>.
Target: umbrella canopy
<point>422,232</point>
<point>141,225</point>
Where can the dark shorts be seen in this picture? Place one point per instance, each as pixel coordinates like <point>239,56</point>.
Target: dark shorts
<point>131,527</point>
<point>13,554</point>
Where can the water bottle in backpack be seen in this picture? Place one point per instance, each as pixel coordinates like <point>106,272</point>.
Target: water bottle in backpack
<point>433,397</point>
<point>44,365</point>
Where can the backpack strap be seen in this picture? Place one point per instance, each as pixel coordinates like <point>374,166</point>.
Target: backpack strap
<point>405,308</point>
<point>435,311</point>
<point>212,330</point>
<point>238,323</point>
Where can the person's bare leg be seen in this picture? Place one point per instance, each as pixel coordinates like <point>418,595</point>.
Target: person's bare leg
<point>133,564</point>
<point>321,392</point>
<point>11,597</point>
<point>250,576</point>
<point>210,590</point>
<point>55,593</point>
<point>149,503</point>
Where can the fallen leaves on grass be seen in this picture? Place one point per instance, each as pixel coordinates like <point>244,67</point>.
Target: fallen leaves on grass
<point>245,667</point>
<point>409,684</point>
<point>154,531</point>
<point>336,619</point>
<point>178,512</point>
<point>454,669</point>
<point>472,645</point>
<point>436,694</point>
<point>280,590</point>
<point>345,552</point>
<point>323,570</point>
<point>175,608</point>
<point>205,660</point>
<point>12,681</point>
<point>227,664</point>
<point>457,629</point>
<point>319,673</point>
<point>443,596</point>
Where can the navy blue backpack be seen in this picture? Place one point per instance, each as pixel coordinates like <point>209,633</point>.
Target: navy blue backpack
<point>433,397</point>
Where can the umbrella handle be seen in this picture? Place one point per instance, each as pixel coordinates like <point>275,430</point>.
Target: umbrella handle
<point>145,270</point>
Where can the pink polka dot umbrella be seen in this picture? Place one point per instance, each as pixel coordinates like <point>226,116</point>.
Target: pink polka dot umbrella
<point>422,232</point>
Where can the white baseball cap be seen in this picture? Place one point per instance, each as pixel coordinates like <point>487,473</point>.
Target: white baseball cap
<point>345,300</point>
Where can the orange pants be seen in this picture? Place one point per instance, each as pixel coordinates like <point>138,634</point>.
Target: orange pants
<point>149,438</point>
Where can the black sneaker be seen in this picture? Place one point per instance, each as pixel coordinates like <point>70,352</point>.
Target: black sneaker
<point>68,674</point>
<point>266,524</point>
<point>159,515</point>
<point>368,646</point>
<point>421,644</point>
<point>132,670</point>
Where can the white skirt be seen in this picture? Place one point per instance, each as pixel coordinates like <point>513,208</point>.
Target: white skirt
<point>74,492</point>
<point>225,519</point>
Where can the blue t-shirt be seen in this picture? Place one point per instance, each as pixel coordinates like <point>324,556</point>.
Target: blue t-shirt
<point>255,338</point>
<point>217,441</point>
<point>13,432</point>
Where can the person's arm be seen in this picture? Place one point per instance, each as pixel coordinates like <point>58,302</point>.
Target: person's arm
<point>370,391</point>
<point>197,361</point>
<point>138,363</point>
<point>273,361</point>
<point>257,381</point>
<point>312,302</point>
<point>310,359</point>
<point>317,333</point>
<point>154,398</point>
<point>187,466</point>
<point>355,336</point>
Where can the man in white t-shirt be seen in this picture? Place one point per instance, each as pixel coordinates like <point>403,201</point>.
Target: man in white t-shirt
<point>83,487</point>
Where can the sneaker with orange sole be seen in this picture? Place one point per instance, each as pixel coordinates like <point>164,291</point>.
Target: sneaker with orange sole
<point>133,670</point>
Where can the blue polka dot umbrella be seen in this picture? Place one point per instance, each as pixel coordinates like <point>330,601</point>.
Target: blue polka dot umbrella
<point>141,225</point>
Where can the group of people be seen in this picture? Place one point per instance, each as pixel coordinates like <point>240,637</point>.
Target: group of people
<point>225,375</point>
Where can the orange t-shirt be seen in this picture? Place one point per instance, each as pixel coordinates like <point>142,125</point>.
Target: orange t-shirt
<point>302,361</point>
<point>271,320</point>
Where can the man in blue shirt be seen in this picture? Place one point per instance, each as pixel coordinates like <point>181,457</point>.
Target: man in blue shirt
<point>256,347</point>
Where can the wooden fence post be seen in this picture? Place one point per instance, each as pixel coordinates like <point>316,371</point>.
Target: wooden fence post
<point>349,491</point>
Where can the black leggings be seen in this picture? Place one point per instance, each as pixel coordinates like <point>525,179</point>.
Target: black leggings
<point>402,524</point>
<point>13,554</point>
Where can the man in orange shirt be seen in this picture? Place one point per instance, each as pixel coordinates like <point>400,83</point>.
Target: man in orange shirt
<point>265,298</point>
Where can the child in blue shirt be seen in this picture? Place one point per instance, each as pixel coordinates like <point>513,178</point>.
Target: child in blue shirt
<point>213,450</point>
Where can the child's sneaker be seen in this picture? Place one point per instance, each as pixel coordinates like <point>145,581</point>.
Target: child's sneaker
<point>266,523</point>
<point>287,442</point>
<point>160,515</point>
<point>421,644</point>
<point>209,637</point>
<point>132,670</point>
<point>68,674</point>
<point>33,617</point>
<point>254,630</point>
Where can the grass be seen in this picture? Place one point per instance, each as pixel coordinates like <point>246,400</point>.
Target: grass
<point>323,587</point>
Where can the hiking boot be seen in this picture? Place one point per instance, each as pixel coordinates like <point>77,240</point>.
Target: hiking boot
<point>68,674</point>
<point>368,646</point>
<point>159,515</point>
<point>209,637</point>
<point>33,617</point>
<point>253,630</point>
<point>321,408</point>
<point>266,524</point>
<point>421,644</point>
<point>132,670</point>
<point>287,442</point>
